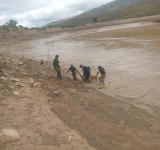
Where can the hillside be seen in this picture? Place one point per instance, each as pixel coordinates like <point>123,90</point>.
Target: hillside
<point>116,10</point>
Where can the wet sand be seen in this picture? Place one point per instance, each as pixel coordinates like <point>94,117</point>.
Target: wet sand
<point>129,52</point>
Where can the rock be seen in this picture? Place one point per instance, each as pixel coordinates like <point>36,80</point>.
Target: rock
<point>56,93</point>
<point>51,103</point>
<point>8,136</point>
<point>20,63</point>
<point>73,90</point>
<point>3,78</point>
<point>37,84</point>
<point>83,90</point>
<point>69,138</point>
<point>12,87</point>
<point>19,84</point>
<point>14,79</point>
<point>16,93</point>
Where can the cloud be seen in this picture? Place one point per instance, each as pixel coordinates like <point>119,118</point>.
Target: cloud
<point>36,13</point>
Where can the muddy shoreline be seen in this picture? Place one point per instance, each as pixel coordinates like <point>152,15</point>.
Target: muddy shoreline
<point>89,117</point>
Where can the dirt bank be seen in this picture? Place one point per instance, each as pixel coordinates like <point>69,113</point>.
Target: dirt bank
<point>89,117</point>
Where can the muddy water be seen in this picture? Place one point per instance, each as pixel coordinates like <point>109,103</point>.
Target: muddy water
<point>130,54</point>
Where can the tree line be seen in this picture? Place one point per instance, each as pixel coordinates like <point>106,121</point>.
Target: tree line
<point>12,25</point>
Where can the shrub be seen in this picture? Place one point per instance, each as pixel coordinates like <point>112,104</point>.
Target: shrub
<point>95,20</point>
<point>20,26</point>
<point>5,28</point>
<point>26,28</point>
<point>50,26</point>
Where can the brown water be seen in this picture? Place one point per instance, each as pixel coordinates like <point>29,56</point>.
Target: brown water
<point>130,54</point>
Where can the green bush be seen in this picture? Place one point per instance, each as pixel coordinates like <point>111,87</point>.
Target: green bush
<point>95,20</point>
<point>20,26</point>
<point>39,29</point>
<point>5,28</point>
<point>26,28</point>
<point>34,28</point>
<point>50,26</point>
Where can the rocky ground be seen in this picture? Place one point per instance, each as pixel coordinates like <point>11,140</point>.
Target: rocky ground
<point>49,113</point>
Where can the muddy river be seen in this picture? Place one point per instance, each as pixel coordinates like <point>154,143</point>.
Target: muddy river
<point>130,53</point>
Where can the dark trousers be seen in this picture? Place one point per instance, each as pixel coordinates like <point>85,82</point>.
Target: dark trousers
<point>87,76</point>
<point>58,73</point>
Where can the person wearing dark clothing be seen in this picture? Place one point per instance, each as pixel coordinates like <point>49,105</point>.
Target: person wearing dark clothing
<point>86,72</point>
<point>41,62</point>
<point>103,74</point>
<point>73,70</point>
<point>57,67</point>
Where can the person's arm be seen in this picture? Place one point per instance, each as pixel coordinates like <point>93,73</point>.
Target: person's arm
<point>54,63</point>
<point>69,70</point>
<point>97,72</point>
<point>76,70</point>
<point>84,73</point>
<point>58,64</point>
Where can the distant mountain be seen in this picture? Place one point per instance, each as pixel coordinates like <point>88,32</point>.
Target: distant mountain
<point>116,10</point>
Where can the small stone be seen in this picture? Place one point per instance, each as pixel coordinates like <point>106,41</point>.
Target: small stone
<point>16,93</point>
<point>3,78</point>
<point>20,84</point>
<point>36,84</point>
<point>14,79</point>
<point>20,63</point>
<point>51,103</point>
<point>9,135</point>
<point>69,138</point>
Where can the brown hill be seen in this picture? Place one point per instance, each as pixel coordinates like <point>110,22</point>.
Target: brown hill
<point>116,10</point>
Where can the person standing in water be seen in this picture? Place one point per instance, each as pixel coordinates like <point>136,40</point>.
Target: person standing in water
<point>103,74</point>
<point>86,73</point>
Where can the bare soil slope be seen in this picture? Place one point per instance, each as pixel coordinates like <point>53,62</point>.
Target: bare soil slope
<point>32,98</point>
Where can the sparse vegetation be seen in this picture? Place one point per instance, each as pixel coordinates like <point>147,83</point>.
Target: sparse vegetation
<point>70,26</point>
<point>5,28</point>
<point>115,10</point>
<point>26,28</point>
<point>41,29</point>
<point>95,20</point>
<point>20,26</point>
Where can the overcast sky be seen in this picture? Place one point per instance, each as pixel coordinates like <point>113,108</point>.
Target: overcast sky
<point>36,13</point>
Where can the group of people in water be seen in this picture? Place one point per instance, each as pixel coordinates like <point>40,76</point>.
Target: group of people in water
<point>86,71</point>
